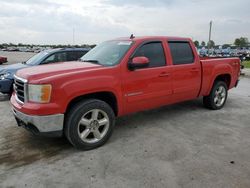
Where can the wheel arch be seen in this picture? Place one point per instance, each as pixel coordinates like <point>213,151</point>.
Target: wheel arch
<point>106,96</point>
<point>225,77</point>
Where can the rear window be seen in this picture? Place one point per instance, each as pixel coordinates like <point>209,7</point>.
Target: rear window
<point>79,54</point>
<point>182,52</point>
<point>71,56</point>
<point>75,55</point>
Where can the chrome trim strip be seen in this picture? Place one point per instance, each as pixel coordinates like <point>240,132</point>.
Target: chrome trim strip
<point>17,99</point>
<point>47,123</point>
<point>21,79</point>
<point>25,89</point>
<point>25,94</point>
<point>133,94</point>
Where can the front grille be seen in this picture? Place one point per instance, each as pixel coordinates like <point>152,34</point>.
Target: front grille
<point>19,88</point>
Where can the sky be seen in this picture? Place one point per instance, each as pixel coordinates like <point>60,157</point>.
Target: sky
<point>94,21</point>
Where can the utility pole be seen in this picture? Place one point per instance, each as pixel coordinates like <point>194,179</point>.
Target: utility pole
<point>210,29</point>
<point>73,36</point>
<point>209,37</point>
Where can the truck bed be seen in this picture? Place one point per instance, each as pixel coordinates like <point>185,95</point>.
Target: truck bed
<point>211,67</point>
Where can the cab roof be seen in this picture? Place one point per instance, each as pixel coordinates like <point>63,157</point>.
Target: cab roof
<point>141,38</point>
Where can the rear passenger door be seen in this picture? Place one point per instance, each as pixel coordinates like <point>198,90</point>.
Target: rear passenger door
<point>186,71</point>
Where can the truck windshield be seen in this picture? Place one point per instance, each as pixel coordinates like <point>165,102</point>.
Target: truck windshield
<point>34,59</point>
<point>108,53</point>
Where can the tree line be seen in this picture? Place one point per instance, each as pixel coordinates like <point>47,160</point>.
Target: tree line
<point>238,42</point>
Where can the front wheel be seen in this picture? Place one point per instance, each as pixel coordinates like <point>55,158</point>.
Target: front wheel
<point>217,97</point>
<point>89,124</point>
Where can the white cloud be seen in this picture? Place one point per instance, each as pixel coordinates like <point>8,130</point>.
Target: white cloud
<point>52,22</point>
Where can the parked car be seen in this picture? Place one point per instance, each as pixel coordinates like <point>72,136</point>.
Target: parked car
<point>81,100</point>
<point>44,57</point>
<point>3,60</point>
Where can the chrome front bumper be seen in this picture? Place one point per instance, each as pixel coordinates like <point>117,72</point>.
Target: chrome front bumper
<point>40,124</point>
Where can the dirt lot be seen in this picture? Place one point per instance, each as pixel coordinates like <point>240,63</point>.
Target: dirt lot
<point>182,145</point>
<point>15,57</point>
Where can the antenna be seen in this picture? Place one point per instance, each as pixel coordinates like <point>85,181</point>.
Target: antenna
<point>132,36</point>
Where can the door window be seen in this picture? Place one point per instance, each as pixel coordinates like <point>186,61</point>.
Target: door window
<point>154,52</point>
<point>57,57</point>
<point>181,52</point>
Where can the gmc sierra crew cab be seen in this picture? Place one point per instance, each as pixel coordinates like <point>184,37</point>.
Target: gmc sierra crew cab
<point>81,100</point>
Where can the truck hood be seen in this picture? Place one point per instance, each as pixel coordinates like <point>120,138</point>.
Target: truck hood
<point>56,69</point>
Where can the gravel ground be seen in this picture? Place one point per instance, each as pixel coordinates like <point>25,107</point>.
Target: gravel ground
<point>182,145</point>
<point>16,57</point>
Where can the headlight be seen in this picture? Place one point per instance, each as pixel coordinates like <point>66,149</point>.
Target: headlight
<point>5,75</point>
<point>39,93</point>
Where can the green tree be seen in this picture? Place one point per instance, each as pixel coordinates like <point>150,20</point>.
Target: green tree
<point>241,42</point>
<point>196,43</point>
<point>237,42</point>
<point>11,44</point>
<point>203,43</point>
<point>210,44</point>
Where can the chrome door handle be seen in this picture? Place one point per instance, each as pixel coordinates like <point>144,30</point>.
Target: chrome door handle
<point>194,70</point>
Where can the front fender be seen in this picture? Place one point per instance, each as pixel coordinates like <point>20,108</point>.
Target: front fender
<point>74,88</point>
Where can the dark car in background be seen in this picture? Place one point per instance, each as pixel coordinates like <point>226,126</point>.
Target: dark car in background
<point>3,60</point>
<point>44,57</point>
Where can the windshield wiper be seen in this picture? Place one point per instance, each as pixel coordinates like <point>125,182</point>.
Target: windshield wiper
<point>90,60</point>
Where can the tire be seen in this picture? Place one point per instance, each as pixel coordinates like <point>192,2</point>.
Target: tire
<point>89,124</point>
<point>217,97</point>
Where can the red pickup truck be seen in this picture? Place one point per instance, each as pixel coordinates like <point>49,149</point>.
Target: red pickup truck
<point>82,99</point>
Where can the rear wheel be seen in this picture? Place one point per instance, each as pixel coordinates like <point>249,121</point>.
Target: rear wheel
<point>217,97</point>
<point>89,124</point>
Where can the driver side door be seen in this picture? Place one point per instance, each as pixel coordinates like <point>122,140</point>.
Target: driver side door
<point>149,87</point>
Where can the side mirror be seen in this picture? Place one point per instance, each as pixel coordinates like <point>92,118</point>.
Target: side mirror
<point>138,62</point>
